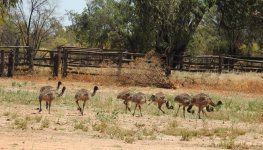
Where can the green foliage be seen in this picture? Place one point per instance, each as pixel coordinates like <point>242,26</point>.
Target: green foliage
<point>105,24</point>
<point>240,23</point>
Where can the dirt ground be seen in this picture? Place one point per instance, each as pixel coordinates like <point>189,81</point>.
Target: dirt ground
<point>61,135</point>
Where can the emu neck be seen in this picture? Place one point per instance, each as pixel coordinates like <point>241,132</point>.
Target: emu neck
<point>93,93</point>
<point>62,92</point>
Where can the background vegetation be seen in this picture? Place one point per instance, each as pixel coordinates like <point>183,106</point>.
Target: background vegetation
<point>170,27</point>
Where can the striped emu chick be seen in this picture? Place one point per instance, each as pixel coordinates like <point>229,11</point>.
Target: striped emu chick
<point>183,100</point>
<point>139,99</point>
<point>84,95</point>
<point>202,101</point>
<point>160,99</point>
<point>124,95</point>
<point>49,96</point>
<point>48,87</point>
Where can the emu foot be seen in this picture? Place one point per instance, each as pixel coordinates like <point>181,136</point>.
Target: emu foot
<point>79,109</point>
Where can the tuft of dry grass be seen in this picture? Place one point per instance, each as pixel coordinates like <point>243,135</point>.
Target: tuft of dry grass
<point>20,123</point>
<point>230,144</point>
<point>45,123</point>
<point>81,126</point>
<point>114,131</point>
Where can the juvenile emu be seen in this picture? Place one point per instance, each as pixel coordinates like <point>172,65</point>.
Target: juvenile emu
<point>183,100</point>
<point>124,96</point>
<point>49,96</point>
<point>48,87</point>
<point>203,101</point>
<point>84,95</point>
<point>139,99</point>
<point>160,99</point>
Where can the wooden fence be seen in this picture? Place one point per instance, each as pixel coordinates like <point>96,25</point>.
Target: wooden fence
<point>218,63</point>
<point>64,60</point>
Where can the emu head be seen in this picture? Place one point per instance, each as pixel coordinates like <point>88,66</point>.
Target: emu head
<point>219,103</point>
<point>152,98</point>
<point>94,90</point>
<point>59,83</point>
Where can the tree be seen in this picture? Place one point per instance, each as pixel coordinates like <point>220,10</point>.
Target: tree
<point>61,36</point>
<point>174,23</point>
<point>7,29</point>
<point>36,25</point>
<point>240,23</point>
<point>106,24</point>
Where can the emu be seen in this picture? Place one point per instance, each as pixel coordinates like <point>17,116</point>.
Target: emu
<point>202,101</point>
<point>49,96</point>
<point>84,95</point>
<point>160,99</point>
<point>183,100</point>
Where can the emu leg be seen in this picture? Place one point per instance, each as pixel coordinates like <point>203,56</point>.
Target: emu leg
<point>126,106</point>
<point>40,109</point>
<point>204,112</point>
<point>134,109</point>
<point>199,110</point>
<point>46,105</point>
<point>77,102</point>
<point>140,110</point>
<point>184,110</point>
<point>49,105</point>
<point>177,110</point>
<point>83,108</point>
<point>160,108</point>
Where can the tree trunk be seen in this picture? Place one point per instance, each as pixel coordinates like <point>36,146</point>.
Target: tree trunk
<point>170,56</point>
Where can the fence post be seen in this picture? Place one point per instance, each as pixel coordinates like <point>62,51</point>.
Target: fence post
<point>65,63</point>
<point>30,58</point>
<point>51,55</point>
<point>16,55</point>
<point>11,64</point>
<point>181,61</point>
<point>220,62</point>
<point>119,63</point>
<point>2,67</point>
<point>56,65</point>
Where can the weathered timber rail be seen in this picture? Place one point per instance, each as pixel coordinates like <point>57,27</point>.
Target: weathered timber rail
<point>218,63</point>
<point>15,60</point>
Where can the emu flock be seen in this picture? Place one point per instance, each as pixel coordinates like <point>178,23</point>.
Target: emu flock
<point>201,101</point>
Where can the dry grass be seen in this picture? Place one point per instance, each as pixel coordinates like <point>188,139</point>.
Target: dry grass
<point>106,118</point>
<point>241,82</point>
<point>143,73</point>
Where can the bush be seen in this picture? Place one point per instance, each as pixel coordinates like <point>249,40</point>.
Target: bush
<point>147,71</point>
